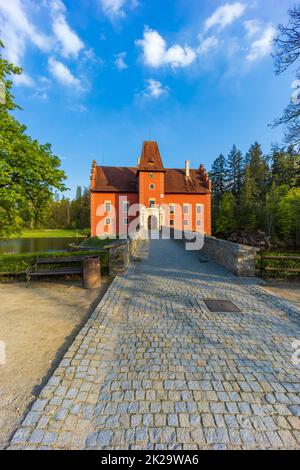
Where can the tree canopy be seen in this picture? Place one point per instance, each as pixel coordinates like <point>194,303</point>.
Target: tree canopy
<point>287,53</point>
<point>265,196</point>
<point>29,172</point>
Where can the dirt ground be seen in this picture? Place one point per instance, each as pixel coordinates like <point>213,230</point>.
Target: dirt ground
<point>37,324</point>
<point>286,290</point>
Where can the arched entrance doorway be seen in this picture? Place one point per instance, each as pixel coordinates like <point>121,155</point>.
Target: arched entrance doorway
<point>152,223</point>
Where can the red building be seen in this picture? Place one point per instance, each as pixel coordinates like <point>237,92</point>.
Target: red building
<point>176,198</point>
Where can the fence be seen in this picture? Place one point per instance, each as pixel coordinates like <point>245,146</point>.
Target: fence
<point>279,265</point>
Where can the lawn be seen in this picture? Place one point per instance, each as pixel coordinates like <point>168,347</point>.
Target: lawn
<point>44,233</point>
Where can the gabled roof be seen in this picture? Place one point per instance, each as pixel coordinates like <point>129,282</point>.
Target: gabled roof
<point>114,179</point>
<point>124,180</point>
<point>177,183</point>
<point>150,159</point>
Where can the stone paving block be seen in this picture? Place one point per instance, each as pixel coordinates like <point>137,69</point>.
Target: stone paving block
<point>153,369</point>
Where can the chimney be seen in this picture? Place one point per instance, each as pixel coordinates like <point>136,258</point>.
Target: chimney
<point>187,168</point>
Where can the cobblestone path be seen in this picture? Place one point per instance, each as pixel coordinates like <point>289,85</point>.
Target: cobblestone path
<point>154,369</point>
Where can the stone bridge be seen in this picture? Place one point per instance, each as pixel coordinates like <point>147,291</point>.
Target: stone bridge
<point>154,368</point>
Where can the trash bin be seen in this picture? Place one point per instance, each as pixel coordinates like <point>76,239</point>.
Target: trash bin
<point>91,273</point>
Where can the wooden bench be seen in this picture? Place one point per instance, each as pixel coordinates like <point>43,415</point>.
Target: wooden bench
<point>36,271</point>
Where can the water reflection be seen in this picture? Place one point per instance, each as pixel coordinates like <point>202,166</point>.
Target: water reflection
<point>34,245</point>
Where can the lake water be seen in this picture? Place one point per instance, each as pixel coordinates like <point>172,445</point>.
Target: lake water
<point>35,245</point>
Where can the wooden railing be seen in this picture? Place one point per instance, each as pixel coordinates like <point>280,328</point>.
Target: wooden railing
<point>282,260</point>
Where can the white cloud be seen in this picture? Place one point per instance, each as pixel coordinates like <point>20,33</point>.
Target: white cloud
<point>263,45</point>
<point>252,27</point>
<point>116,8</point>
<point>17,31</point>
<point>225,15</point>
<point>154,88</point>
<point>69,41</point>
<point>156,53</point>
<point>120,61</point>
<point>63,74</point>
<point>23,80</point>
<point>208,44</point>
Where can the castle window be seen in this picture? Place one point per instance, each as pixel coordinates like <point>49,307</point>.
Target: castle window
<point>152,186</point>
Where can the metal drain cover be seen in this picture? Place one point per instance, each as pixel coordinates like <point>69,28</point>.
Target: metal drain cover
<point>221,306</point>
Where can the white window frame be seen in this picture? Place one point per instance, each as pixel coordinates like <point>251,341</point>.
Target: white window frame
<point>198,222</point>
<point>105,203</point>
<point>186,222</point>
<point>199,206</point>
<point>186,206</point>
<point>126,205</point>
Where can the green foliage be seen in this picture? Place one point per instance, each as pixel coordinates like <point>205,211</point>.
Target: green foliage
<point>94,242</point>
<point>19,263</point>
<point>226,222</point>
<point>289,216</point>
<point>29,172</point>
<point>67,214</point>
<point>265,196</point>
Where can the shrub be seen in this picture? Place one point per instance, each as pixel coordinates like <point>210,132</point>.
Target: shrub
<point>18,263</point>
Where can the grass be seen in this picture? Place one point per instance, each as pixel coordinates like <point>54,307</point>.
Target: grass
<point>45,233</point>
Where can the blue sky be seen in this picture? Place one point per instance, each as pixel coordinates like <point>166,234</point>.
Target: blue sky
<point>101,76</point>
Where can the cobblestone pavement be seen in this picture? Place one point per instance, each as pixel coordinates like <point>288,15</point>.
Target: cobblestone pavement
<point>154,369</point>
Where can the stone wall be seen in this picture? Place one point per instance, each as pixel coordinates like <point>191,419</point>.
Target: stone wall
<point>120,255</point>
<point>239,259</point>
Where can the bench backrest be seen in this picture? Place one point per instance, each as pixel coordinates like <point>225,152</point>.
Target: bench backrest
<point>63,259</point>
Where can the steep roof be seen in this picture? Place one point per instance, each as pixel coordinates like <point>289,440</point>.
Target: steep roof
<point>114,179</point>
<point>177,182</point>
<point>124,179</point>
<point>150,159</point>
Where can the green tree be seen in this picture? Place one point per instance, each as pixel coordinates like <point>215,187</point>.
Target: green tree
<point>287,54</point>
<point>289,217</point>
<point>218,178</point>
<point>285,166</point>
<point>235,171</point>
<point>226,222</point>
<point>29,172</point>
